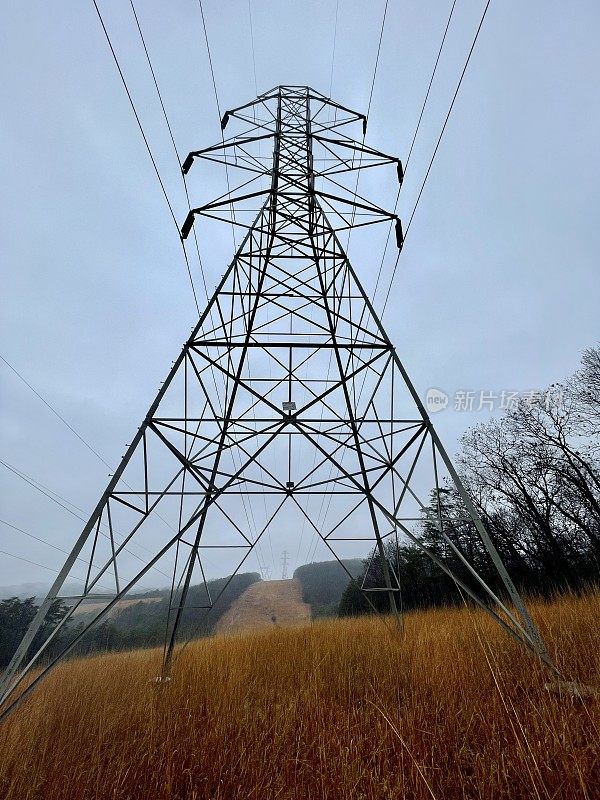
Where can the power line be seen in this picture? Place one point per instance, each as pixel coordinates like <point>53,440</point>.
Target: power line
<point>29,561</point>
<point>214,83</point>
<point>353,217</point>
<point>43,541</point>
<point>187,263</point>
<point>435,66</point>
<point>137,117</point>
<point>377,57</point>
<point>462,75</point>
<point>412,144</point>
<point>54,411</point>
<point>148,148</point>
<point>37,538</point>
<point>45,489</point>
<point>121,74</point>
<point>162,105</point>
<point>335,29</point>
<point>210,63</point>
<point>166,117</point>
<point>432,158</point>
<point>154,78</point>
<point>8,364</point>
<point>252,45</point>
<point>47,492</point>
<point>73,430</point>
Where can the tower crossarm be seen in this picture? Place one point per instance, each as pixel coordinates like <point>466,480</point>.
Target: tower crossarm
<point>310,155</point>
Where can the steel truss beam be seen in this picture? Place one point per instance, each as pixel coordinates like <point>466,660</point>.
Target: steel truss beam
<point>290,358</point>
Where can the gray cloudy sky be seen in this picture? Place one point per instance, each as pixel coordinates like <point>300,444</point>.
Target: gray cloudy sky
<point>498,285</point>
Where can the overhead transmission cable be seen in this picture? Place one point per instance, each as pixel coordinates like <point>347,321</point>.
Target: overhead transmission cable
<point>417,127</point>
<point>308,498</point>
<point>42,541</point>
<point>33,563</point>
<point>148,148</point>
<point>121,74</point>
<point>427,93</point>
<point>61,501</point>
<point>377,57</point>
<point>47,492</point>
<point>218,105</point>
<point>372,89</point>
<point>169,127</point>
<point>55,412</point>
<point>433,156</point>
<point>414,138</point>
<point>253,52</point>
<point>367,116</point>
<point>70,427</point>
<point>158,92</point>
<point>210,63</point>
<point>252,48</point>
<point>170,132</point>
<point>335,29</point>
<point>175,148</point>
<point>302,446</point>
<point>39,539</point>
<point>459,84</point>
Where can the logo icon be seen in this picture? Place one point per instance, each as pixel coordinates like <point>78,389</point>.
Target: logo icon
<point>436,400</point>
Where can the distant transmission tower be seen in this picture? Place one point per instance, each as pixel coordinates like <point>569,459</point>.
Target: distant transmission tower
<point>287,400</point>
<point>284,565</point>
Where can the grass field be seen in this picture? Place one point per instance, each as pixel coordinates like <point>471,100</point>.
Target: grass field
<point>339,709</point>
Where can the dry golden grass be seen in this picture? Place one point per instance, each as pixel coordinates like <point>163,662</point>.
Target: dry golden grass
<point>340,709</point>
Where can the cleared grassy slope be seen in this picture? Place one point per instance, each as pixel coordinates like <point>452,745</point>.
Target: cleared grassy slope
<point>337,709</point>
<point>264,604</point>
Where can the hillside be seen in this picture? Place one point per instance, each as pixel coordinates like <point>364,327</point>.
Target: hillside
<point>263,605</point>
<point>139,621</point>
<point>324,582</point>
<point>450,709</point>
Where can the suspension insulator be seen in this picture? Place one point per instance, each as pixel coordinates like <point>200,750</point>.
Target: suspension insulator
<point>225,120</point>
<point>399,234</point>
<point>364,126</point>
<point>187,225</point>
<point>400,172</point>
<point>185,167</point>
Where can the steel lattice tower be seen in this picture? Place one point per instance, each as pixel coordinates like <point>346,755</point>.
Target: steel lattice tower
<point>287,394</point>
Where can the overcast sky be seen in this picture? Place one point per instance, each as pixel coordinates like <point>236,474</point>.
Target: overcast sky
<point>498,285</point>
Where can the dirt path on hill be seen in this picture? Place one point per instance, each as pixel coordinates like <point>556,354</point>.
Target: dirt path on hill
<point>265,604</point>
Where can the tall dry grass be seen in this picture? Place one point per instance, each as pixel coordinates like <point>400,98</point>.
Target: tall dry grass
<point>342,709</point>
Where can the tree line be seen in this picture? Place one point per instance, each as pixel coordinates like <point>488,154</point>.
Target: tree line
<point>140,624</point>
<point>534,477</point>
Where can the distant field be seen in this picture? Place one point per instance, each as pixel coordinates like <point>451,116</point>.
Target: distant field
<point>337,709</point>
<point>88,608</point>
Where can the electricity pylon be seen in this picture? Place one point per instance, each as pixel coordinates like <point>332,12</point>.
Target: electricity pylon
<point>287,396</point>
